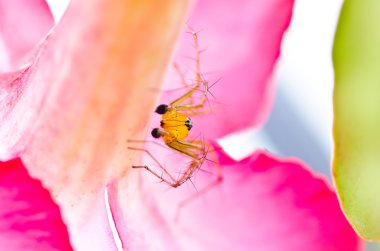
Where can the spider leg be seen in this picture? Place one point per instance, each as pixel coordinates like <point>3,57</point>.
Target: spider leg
<point>146,141</point>
<point>182,77</point>
<point>206,149</point>
<point>193,151</point>
<point>197,151</point>
<point>191,106</point>
<point>213,184</point>
<point>173,180</point>
<point>198,79</point>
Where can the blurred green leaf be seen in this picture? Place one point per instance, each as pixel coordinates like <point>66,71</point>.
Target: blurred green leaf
<point>356,167</point>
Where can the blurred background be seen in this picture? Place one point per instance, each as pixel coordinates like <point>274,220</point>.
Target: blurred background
<point>300,124</point>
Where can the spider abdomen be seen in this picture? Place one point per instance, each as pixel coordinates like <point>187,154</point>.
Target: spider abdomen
<point>176,124</point>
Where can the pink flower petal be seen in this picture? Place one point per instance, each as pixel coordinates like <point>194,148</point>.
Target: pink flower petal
<point>137,218</point>
<point>241,42</point>
<point>29,219</point>
<point>16,118</point>
<point>23,23</point>
<point>88,90</point>
<point>263,203</point>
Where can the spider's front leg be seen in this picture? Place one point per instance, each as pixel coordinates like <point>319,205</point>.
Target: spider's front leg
<point>194,151</point>
<point>198,82</point>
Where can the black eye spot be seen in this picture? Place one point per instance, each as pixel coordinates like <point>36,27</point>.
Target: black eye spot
<point>155,133</point>
<point>161,109</point>
<point>189,124</point>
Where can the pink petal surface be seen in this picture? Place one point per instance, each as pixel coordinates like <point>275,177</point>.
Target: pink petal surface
<point>29,219</point>
<point>264,203</point>
<point>137,218</point>
<point>23,23</point>
<point>90,90</point>
<point>70,113</point>
<point>23,26</point>
<point>240,43</point>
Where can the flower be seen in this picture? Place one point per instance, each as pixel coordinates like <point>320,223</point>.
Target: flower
<point>88,89</point>
<point>30,220</point>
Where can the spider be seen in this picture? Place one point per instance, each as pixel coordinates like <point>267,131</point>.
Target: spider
<point>175,126</point>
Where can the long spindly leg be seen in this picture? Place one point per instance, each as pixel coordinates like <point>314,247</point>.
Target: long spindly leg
<point>183,80</point>
<point>210,149</point>
<point>213,184</point>
<point>197,151</point>
<point>182,77</point>
<point>147,141</point>
<point>198,79</point>
<point>192,106</point>
<point>194,109</point>
<point>178,146</point>
<point>197,154</point>
<point>172,181</point>
<point>193,151</point>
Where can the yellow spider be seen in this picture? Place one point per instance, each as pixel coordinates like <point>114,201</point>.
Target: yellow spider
<point>175,126</point>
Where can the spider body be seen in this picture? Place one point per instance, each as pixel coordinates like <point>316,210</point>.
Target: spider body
<point>176,125</point>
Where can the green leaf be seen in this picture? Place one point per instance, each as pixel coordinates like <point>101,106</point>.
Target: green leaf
<point>356,168</point>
